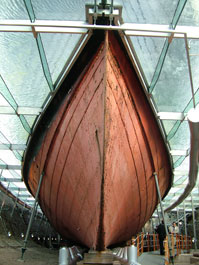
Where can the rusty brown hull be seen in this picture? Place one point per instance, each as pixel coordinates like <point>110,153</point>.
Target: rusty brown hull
<point>99,155</point>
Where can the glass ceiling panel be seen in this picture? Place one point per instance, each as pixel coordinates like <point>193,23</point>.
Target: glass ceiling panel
<point>148,51</point>
<point>11,126</point>
<point>30,119</point>
<point>19,184</point>
<point>13,10</point>
<point>9,174</point>
<point>9,158</point>
<point>21,65</point>
<point>6,174</point>
<point>141,11</point>
<point>195,191</point>
<point>58,48</point>
<point>23,74</point>
<point>3,139</point>
<point>175,158</point>
<point>184,167</point>
<point>174,190</point>
<point>62,10</point>
<point>12,185</point>
<point>3,101</point>
<point>179,161</point>
<point>168,125</point>
<point>194,60</point>
<point>190,15</point>
<point>174,80</point>
<point>180,179</point>
<point>5,184</point>
<point>181,140</point>
<point>15,173</point>
<point>133,11</point>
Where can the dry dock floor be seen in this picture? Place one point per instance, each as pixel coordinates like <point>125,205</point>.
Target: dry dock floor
<point>154,258</point>
<point>10,253</point>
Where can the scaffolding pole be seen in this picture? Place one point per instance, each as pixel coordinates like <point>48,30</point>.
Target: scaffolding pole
<point>194,223</point>
<point>158,216</point>
<point>31,217</point>
<point>163,215</point>
<point>185,220</point>
<point>178,217</point>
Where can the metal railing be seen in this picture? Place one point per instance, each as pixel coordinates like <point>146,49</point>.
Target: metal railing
<point>150,242</point>
<point>179,244</point>
<point>145,243</point>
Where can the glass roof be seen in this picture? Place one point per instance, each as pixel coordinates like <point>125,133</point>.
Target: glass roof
<point>35,58</point>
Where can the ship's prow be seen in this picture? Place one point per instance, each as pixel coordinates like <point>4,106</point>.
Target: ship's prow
<point>99,151</point>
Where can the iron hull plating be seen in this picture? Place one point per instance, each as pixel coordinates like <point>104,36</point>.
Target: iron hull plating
<point>99,152</point>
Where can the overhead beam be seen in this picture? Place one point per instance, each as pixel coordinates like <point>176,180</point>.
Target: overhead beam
<point>20,110</point>
<point>180,208</point>
<point>154,30</point>
<point>180,173</point>
<point>24,196</point>
<point>173,199</point>
<point>41,26</point>
<point>188,207</point>
<point>81,27</point>
<point>10,167</point>
<point>179,152</point>
<point>12,147</point>
<point>171,115</point>
<point>17,189</point>
<point>179,193</point>
<point>187,204</point>
<point>180,186</point>
<point>10,179</point>
<point>28,29</point>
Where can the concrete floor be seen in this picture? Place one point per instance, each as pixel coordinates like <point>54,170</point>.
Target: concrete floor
<point>151,258</point>
<point>10,253</point>
<point>154,258</point>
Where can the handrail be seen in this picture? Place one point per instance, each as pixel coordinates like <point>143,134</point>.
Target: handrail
<point>150,242</point>
<point>178,243</point>
<point>145,242</point>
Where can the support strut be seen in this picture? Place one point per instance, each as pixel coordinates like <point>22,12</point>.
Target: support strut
<point>163,216</point>
<point>31,217</point>
<point>194,223</point>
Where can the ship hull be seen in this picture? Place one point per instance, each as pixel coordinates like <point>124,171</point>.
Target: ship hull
<point>99,154</point>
